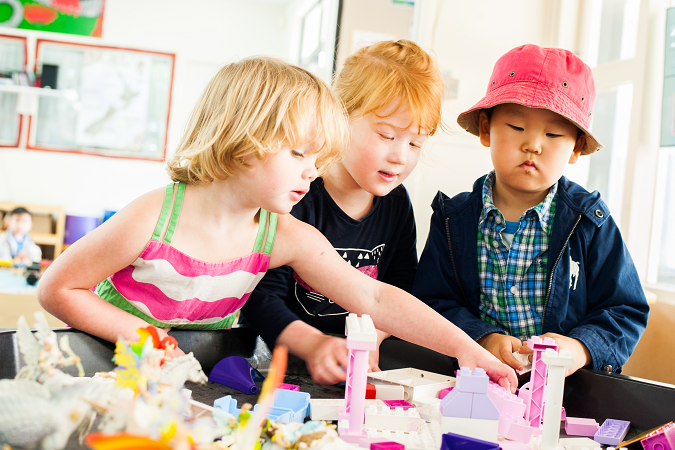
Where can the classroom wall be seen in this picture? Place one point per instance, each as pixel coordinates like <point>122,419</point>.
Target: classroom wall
<point>204,34</point>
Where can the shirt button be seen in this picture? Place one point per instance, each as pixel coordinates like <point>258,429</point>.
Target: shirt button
<point>608,368</point>
<point>514,290</point>
<point>495,244</point>
<point>498,220</point>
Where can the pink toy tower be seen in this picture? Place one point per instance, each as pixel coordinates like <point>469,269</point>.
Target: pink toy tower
<point>537,385</point>
<point>361,339</point>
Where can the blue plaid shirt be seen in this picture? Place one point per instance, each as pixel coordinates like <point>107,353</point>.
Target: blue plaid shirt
<point>513,280</point>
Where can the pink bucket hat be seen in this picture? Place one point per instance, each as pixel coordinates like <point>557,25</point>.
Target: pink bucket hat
<point>550,78</point>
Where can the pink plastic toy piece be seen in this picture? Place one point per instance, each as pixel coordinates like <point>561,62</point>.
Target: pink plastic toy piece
<point>392,404</point>
<point>661,439</point>
<point>514,445</point>
<point>386,446</point>
<point>535,409</point>
<point>443,392</point>
<point>361,339</point>
<point>505,401</point>
<point>289,387</point>
<point>515,428</point>
<point>563,416</point>
<point>578,426</point>
<point>365,442</point>
<point>483,408</point>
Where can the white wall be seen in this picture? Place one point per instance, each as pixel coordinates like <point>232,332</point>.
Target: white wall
<point>204,34</point>
<point>467,39</point>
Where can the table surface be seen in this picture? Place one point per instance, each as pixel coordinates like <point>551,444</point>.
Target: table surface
<point>587,394</point>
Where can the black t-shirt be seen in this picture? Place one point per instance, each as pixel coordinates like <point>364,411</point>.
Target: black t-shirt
<point>382,245</point>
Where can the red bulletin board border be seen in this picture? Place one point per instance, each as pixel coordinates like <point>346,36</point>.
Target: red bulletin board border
<point>25,61</point>
<point>85,151</point>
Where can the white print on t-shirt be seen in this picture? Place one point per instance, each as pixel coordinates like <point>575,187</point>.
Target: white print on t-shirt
<point>314,303</point>
<point>574,273</point>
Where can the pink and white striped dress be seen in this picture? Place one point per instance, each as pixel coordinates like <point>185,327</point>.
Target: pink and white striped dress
<point>167,288</point>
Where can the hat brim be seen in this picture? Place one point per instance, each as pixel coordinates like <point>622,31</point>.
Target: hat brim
<point>531,97</point>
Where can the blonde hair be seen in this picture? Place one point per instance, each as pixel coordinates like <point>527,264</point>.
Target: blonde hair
<point>388,71</point>
<point>252,108</point>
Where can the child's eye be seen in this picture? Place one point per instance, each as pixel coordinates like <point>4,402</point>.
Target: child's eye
<point>297,154</point>
<point>387,137</point>
<point>553,135</point>
<point>515,127</point>
<point>416,145</point>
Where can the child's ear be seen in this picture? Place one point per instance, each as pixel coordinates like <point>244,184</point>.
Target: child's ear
<point>484,128</point>
<point>578,146</point>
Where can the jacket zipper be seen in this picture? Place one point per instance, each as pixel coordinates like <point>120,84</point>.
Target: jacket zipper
<point>452,259</point>
<point>550,281</point>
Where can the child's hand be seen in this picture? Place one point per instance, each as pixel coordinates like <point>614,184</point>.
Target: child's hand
<point>327,359</point>
<point>475,356</point>
<point>502,346</point>
<point>578,350</point>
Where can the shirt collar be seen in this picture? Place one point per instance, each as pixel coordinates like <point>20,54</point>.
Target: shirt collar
<point>542,210</point>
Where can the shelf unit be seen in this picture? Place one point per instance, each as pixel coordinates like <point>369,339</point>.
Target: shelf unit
<point>55,213</point>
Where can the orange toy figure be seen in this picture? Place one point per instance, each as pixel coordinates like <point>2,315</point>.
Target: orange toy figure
<point>168,344</point>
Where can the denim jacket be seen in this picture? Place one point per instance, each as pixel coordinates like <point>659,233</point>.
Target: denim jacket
<point>593,290</point>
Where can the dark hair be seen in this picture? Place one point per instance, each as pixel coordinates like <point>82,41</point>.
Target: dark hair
<point>20,210</point>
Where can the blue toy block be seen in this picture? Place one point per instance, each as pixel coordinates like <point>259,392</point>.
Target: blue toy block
<point>612,432</point>
<point>474,382</point>
<point>452,441</point>
<point>283,415</point>
<point>457,404</point>
<point>297,402</point>
<point>483,408</point>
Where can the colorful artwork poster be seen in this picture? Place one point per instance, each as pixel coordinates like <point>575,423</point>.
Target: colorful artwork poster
<point>83,17</point>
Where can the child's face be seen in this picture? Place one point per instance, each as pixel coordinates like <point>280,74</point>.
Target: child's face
<point>530,147</point>
<point>20,224</point>
<point>281,180</point>
<point>383,150</point>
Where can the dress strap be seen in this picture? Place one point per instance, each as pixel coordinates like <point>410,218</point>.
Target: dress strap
<point>166,207</point>
<point>175,213</point>
<point>271,231</point>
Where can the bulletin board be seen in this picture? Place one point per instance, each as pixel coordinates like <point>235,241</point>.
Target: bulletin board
<point>120,102</point>
<point>13,53</point>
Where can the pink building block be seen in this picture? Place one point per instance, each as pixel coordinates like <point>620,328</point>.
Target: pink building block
<point>361,339</point>
<point>443,392</point>
<point>514,445</point>
<point>563,416</point>
<point>392,404</point>
<point>289,387</point>
<point>535,406</point>
<point>515,428</point>
<point>386,446</point>
<point>661,439</point>
<point>505,401</point>
<point>578,426</point>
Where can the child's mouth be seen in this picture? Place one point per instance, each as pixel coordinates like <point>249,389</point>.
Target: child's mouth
<point>529,165</point>
<point>387,176</point>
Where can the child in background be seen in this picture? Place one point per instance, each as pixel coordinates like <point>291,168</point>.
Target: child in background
<point>15,243</point>
<point>393,93</point>
<point>528,252</point>
<point>249,154</point>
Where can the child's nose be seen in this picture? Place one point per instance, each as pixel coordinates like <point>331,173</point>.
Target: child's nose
<point>532,145</point>
<point>311,172</point>
<point>399,154</point>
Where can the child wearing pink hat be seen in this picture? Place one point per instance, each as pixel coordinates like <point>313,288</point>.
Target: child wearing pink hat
<point>529,252</point>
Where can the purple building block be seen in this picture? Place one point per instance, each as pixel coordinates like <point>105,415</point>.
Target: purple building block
<point>578,426</point>
<point>393,404</point>
<point>457,404</point>
<point>612,432</point>
<point>386,446</point>
<point>483,408</point>
<point>452,441</point>
<point>661,439</point>
<point>474,382</point>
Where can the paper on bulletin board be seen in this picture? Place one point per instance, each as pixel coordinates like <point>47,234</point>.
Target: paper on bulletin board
<point>668,102</point>
<point>114,96</point>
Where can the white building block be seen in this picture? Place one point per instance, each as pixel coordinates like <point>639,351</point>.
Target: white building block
<point>579,443</point>
<point>427,438</point>
<point>428,408</point>
<point>328,408</point>
<point>389,392</point>
<point>384,418</point>
<point>416,383</point>
<point>360,329</point>
<point>474,428</point>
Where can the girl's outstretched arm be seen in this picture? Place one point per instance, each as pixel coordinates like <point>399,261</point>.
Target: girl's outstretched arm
<point>393,310</point>
<point>64,289</point>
